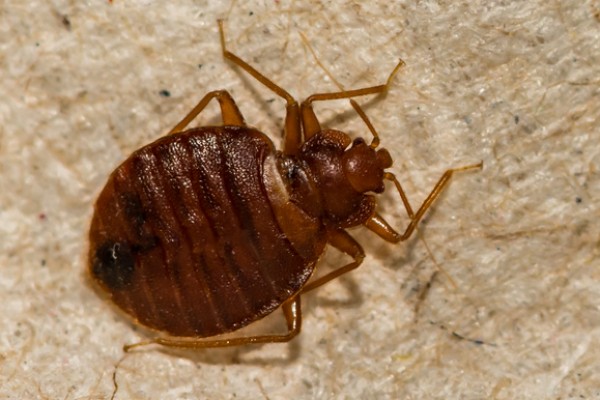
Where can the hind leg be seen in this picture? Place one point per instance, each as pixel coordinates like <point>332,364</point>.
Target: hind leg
<point>229,110</point>
<point>291,311</point>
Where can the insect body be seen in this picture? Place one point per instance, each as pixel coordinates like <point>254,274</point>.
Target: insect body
<point>209,229</point>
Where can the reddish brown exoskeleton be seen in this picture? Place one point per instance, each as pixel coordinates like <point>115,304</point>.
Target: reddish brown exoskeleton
<point>208,229</point>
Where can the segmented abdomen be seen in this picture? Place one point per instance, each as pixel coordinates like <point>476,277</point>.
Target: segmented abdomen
<point>184,238</point>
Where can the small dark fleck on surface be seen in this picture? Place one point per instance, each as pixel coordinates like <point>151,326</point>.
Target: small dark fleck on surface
<point>578,199</point>
<point>37,44</point>
<point>251,13</point>
<point>165,93</point>
<point>199,66</point>
<point>516,119</point>
<point>461,337</point>
<point>43,263</point>
<point>270,100</point>
<point>66,22</point>
<point>42,216</point>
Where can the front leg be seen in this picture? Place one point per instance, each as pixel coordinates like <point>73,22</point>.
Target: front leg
<point>341,240</point>
<point>378,225</point>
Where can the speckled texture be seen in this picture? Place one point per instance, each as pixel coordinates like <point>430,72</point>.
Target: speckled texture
<point>515,84</point>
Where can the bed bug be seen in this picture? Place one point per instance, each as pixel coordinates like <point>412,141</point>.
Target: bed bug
<point>209,229</point>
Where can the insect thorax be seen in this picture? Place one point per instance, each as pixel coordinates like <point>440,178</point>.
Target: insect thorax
<point>330,180</point>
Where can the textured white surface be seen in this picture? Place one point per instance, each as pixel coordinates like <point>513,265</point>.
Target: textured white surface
<point>512,83</point>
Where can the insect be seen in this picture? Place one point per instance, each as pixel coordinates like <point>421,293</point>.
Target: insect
<point>208,229</point>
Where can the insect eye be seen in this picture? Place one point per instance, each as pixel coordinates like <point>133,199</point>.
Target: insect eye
<point>358,141</point>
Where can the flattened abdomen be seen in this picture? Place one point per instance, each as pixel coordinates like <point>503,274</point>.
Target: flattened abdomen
<point>184,238</point>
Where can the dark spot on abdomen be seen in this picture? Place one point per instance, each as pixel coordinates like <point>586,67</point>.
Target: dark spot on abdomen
<point>134,211</point>
<point>114,264</point>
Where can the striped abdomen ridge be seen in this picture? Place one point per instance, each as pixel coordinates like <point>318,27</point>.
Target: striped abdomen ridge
<point>184,238</point>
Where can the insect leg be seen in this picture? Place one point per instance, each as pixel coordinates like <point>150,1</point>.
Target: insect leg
<point>291,131</point>
<point>293,316</point>
<point>378,225</point>
<point>341,240</point>
<point>355,105</point>
<point>309,120</point>
<point>230,112</point>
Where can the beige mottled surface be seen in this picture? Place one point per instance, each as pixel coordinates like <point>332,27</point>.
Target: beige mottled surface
<point>513,83</point>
